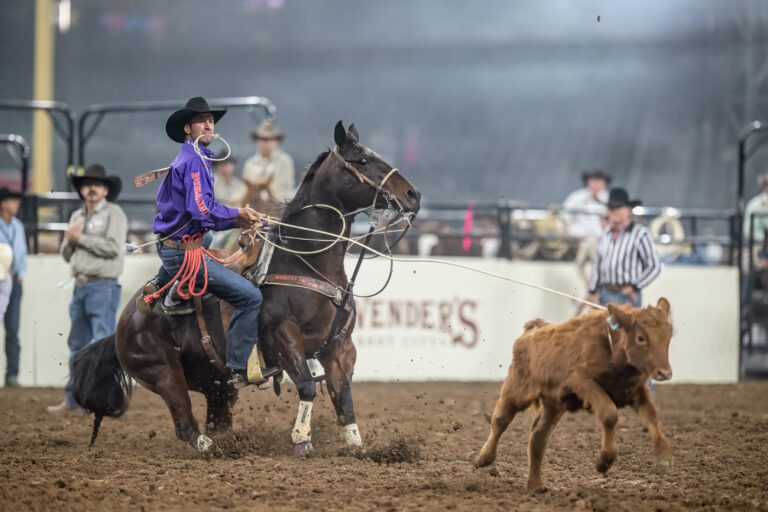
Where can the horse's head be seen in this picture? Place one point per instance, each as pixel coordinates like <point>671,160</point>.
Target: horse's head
<point>362,177</point>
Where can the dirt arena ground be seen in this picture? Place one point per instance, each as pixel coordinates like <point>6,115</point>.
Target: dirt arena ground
<point>420,439</point>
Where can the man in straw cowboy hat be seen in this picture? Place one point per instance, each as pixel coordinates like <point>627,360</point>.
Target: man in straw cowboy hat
<point>271,161</point>
<point>93,245</point>
<point>187,206</point>
<point>626,260</point>
<point>13,237</point>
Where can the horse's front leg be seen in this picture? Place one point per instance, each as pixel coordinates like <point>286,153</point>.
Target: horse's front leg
<point>286,345</point>
<point>339,365</point>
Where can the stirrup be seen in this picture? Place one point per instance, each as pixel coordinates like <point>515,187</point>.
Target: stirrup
<point>240,377</point>
<point>257,372</point>
<point>175,305</point>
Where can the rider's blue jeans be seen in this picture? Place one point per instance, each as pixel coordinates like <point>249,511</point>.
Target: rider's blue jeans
<point>232,288</point>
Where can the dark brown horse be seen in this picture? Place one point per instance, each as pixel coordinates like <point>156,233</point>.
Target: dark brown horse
<point>165,354</point>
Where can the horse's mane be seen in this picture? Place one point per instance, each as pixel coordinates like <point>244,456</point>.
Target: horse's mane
<point>301,198</point>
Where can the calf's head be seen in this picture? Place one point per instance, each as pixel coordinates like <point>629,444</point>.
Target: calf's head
<point>648,333</point>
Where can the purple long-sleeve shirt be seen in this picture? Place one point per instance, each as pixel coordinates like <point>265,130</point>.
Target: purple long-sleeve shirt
<point>186,196</point>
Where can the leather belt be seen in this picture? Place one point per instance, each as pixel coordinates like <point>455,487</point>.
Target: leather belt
<point>182,246</point>
<point>613,288</point>
<point>82,279</point>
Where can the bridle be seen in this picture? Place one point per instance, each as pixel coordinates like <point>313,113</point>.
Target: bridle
<point>379,188</point>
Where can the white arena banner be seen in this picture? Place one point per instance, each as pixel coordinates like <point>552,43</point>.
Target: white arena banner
<point>433,322</point>
<point>441,323</point>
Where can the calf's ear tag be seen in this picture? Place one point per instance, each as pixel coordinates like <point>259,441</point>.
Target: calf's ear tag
<point>613,324</point>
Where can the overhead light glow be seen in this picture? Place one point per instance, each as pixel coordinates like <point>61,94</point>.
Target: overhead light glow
<point>65,16</point>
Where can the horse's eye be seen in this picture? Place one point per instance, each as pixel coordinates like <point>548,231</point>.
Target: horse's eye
<point>364,161</point>
<point>640,339</point>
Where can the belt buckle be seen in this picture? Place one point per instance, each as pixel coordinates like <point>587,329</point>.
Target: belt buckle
<point>81,280</point>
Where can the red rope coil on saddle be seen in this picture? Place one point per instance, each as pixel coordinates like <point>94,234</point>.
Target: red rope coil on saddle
<point>187,275</point>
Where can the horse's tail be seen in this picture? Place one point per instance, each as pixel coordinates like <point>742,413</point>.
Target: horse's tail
<point>99,384</point>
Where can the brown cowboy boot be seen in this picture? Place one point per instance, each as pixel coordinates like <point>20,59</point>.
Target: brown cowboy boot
<point>151,287</point>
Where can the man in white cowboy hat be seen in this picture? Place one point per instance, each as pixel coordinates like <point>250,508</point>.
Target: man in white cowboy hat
<point>271,161</point>
<point>93,245</point>
<point>13,237</point>
<point>587,204</point>
<point>757,206</point>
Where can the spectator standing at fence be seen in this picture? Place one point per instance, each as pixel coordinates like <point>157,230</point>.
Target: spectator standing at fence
<point>589,201</point>
<point>12,234</point>
<point>228,188</point>
<point>757,206</point>
<point>626,260</point>
<point>272,161</point>
<point>93,245</point>
<point>587,225</point>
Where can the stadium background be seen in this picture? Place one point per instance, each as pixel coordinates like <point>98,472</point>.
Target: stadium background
<point>478,100</point>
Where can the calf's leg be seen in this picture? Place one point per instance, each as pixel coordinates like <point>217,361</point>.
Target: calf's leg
<point>647,412</point>
<point>603,407</point>
<point>508,404</point>
<point>542,427</point>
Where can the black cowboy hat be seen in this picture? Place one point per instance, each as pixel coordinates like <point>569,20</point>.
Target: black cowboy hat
<point>618,197</point>
<point>97,172</point>
<point>6,193</point>
<point>595,174</point>
<point>174,127</point>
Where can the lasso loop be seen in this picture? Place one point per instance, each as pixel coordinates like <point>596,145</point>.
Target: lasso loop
<point>196,147</point>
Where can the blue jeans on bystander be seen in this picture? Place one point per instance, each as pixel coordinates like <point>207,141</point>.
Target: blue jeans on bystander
<point>620,298</point>
<point>92,313</point>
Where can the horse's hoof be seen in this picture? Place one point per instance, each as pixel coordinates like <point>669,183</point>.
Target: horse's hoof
<point>352,435</point>
<point>303,449</point>
<point>203,443</point>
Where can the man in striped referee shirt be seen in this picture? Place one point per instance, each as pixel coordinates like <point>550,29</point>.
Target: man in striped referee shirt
<point>626,260</point>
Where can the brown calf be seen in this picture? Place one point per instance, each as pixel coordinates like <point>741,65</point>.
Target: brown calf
<point>584,363</point>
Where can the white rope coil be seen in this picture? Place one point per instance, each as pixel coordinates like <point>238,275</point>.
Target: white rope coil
<point>200,153</point>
